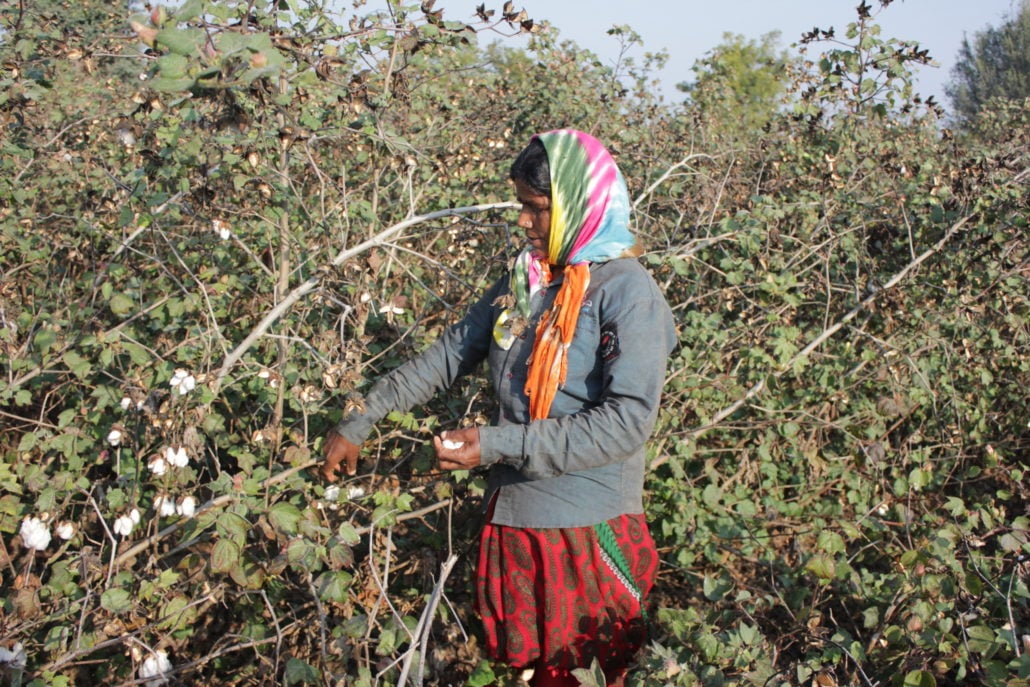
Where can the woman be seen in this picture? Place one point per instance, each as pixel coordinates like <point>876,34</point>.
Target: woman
<point>576,337</point>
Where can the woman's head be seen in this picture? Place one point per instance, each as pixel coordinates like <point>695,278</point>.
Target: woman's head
<point>532,176</point>
<point>575,205</point>
<point>532,169</point>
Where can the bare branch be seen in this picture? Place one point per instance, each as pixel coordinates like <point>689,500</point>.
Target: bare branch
<point>343,256</point>
<point>760,385</point>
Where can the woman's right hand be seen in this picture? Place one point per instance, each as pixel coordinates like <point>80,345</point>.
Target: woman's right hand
<point>338,450</point>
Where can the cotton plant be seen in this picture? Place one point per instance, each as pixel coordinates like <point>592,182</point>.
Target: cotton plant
<point>222,228</point>
<point>65,530</point>
<point>182,382</point>
<point>114,437</point>
<point>164,505</point>
<point>177,457</point>
<point>155,669</point>
<point>124,524</point>
<point>173,457</point>
<point>186,507</point>
<point>35,534</point>
<point>14,657</point>
<point>158,465</point>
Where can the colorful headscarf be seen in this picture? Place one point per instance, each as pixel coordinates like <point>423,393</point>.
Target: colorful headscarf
<point>589,223</point>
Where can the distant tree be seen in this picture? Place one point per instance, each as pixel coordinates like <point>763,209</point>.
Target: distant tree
<point>994,64</point>
<point>739,83</point>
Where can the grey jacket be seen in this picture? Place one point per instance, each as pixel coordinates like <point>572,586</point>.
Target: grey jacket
<point>585,463</point>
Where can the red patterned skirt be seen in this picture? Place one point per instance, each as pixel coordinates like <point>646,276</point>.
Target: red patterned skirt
<point>551,597</point>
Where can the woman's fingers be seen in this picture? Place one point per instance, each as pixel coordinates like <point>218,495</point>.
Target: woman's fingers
<point>458,449</point>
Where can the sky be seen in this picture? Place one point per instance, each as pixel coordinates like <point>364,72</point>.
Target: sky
<point>687,29</point>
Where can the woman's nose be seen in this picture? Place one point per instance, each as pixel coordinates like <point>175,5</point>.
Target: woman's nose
<point>524,221</point>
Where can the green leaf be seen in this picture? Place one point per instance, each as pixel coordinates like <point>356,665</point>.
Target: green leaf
<point>44,340</point>
<point>28,441</point>
<point>715,588</point>
<point>300,673</point>
<point>137,353</point>
<point>821,566</point>
<point>333,586</point>
<point>919,678</point>
<point>57,638</point>
<point>284,516</point>
<point>919,478</point>
<point>180,41</point>
<point>116,600</point>
<point>302,554</point>
<point>171,85</point>
<point>190,9</point>
<point>79,366</point>
<point>592,676</point>
<point>176,613</point>
<point>121,305</point>
<point>482,675</point>
<point>248,573</point>
<point>982,639</point>
<point>225,555</point>
<point>348,534</point>
<point>830,542</point>
<point>233,526</point>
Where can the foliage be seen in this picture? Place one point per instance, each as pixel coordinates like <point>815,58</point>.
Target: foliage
<point>996,64</point>
<point>205,253</point>
<point>739,85</point>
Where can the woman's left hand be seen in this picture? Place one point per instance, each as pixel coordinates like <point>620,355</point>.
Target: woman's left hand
<point>464,457</point>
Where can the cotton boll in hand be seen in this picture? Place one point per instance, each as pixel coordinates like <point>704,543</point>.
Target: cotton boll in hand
<point>451,445</point>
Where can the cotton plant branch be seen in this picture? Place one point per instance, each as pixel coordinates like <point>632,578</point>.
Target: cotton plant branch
<point>425,624</point>
<point>665,176</point>
<point>226,499</point>
<point>291,298</point>
<point>759,386</point>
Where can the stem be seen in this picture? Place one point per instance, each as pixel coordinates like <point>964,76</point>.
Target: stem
<point>312,283</point>
<point>759,386</point>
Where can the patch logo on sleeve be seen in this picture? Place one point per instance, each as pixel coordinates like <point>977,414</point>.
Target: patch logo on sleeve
<point>609,342</point>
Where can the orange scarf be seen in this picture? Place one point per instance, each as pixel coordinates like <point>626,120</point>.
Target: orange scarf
<point>549,364</point>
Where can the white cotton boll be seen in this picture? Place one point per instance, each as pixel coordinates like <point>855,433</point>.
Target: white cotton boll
<point>125,403</point>
<point>182,382</point>
<point>123,525</point>
<point>355,492</point>
<point>114,437</point>
<point>155,668</point>
<point>187,507</point>
<point>164,505</point>
<point>221,227</point>
<point>451,445</point>
<point>14,657</point>
<point>332,493</point>
<point>177,457</point>
<point>157,465</point>
<point>65,530</point>
<point>134,516</point>
<point>34,534</point>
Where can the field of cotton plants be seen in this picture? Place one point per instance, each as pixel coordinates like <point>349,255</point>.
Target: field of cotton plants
<point>221,221</point>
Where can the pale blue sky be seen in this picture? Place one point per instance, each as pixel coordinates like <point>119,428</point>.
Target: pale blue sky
<point>687,29</point>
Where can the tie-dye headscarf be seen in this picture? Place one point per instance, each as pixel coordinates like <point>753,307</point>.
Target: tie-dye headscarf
<point>589,223</point>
